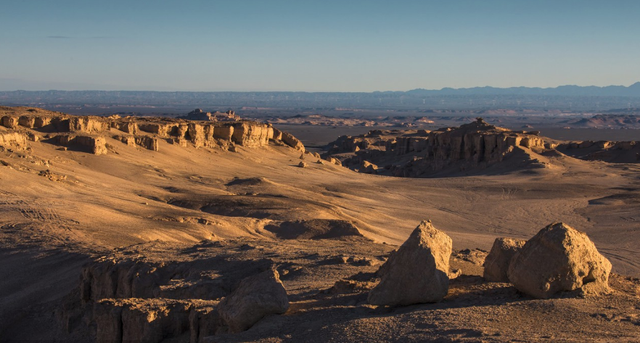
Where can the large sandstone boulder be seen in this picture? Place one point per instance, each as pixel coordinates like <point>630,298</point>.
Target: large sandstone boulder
<point>292,141</point>
<point>256,296</point>
<point>417,272</point>
<point>559,258</point>
<point>496,264</point>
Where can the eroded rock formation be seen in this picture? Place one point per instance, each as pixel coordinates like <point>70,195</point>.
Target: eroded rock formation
<point>90,133</point>
<point>137,299</point>
<point>420,152</point>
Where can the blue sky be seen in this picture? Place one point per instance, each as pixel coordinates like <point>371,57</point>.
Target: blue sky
<point>357,45</point>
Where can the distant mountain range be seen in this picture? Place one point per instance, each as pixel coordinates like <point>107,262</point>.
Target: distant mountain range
<point>570,90</point>
<point>573,98</point>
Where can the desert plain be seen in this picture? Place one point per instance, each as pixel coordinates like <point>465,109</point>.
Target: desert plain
<point>117,237</point>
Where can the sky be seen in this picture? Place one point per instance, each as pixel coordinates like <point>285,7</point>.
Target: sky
<point>320,45</point>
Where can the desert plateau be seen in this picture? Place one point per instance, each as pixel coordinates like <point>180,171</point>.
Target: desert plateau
<point>125,228</point>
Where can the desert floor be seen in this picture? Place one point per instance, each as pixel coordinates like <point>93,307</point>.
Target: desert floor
<point>86,206</point>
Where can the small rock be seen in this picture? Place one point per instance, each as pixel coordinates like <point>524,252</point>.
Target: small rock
<point>302,164</point>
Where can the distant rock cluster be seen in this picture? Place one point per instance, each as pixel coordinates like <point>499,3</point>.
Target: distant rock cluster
<point>608,151</point>
<point>422,152</point>
<point>199,114</point>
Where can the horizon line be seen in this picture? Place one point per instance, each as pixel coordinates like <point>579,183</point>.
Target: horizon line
<point>305,91</point>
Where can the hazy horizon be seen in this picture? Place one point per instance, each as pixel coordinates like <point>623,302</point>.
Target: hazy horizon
<point>332,46</point>
<point>305,91</point>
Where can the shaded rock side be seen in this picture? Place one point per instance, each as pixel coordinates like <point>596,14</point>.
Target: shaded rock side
<point>559,258</point>
<point>147,320</point>
<point>417,271</point>
<point>496,264</point>
<point>256,297</point>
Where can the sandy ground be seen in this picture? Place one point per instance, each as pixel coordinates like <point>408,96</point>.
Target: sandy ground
<point>86,206</point>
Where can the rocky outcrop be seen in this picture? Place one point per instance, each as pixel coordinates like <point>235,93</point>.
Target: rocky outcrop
<point>420,152</point>
<point>93,144</point>
<point>256,297</point>
<point>13,138</point>
<point>137,299</point>
<point>608,151</point>
<point>199,114</point>
<point>314,229</point>
<point>368,168</point>
<point>88,124</point>
<point>141,320</point>
<point>417,272</point>
<point>90,133</point>
<point>497,262</point>
<point>9,122</point>
<point>251,135</point>
<point>559,258</point>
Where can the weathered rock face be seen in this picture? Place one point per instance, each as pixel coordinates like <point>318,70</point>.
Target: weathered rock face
<point>89,133</point>
<point>419,152</point>
<point>135,299</point>
<point>256,296</point>
<point>108,278</point>
<point>12,138</point>
<point>417,272</point>
<point>88,124</point>
<point>141,320</point>
<point>9,122</point>
<point>252,135</point>
<point>559,258</point>
<point>497,262</point>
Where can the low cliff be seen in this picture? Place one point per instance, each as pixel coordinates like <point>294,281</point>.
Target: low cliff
<point>89,133</point>
<point>421,152</point>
